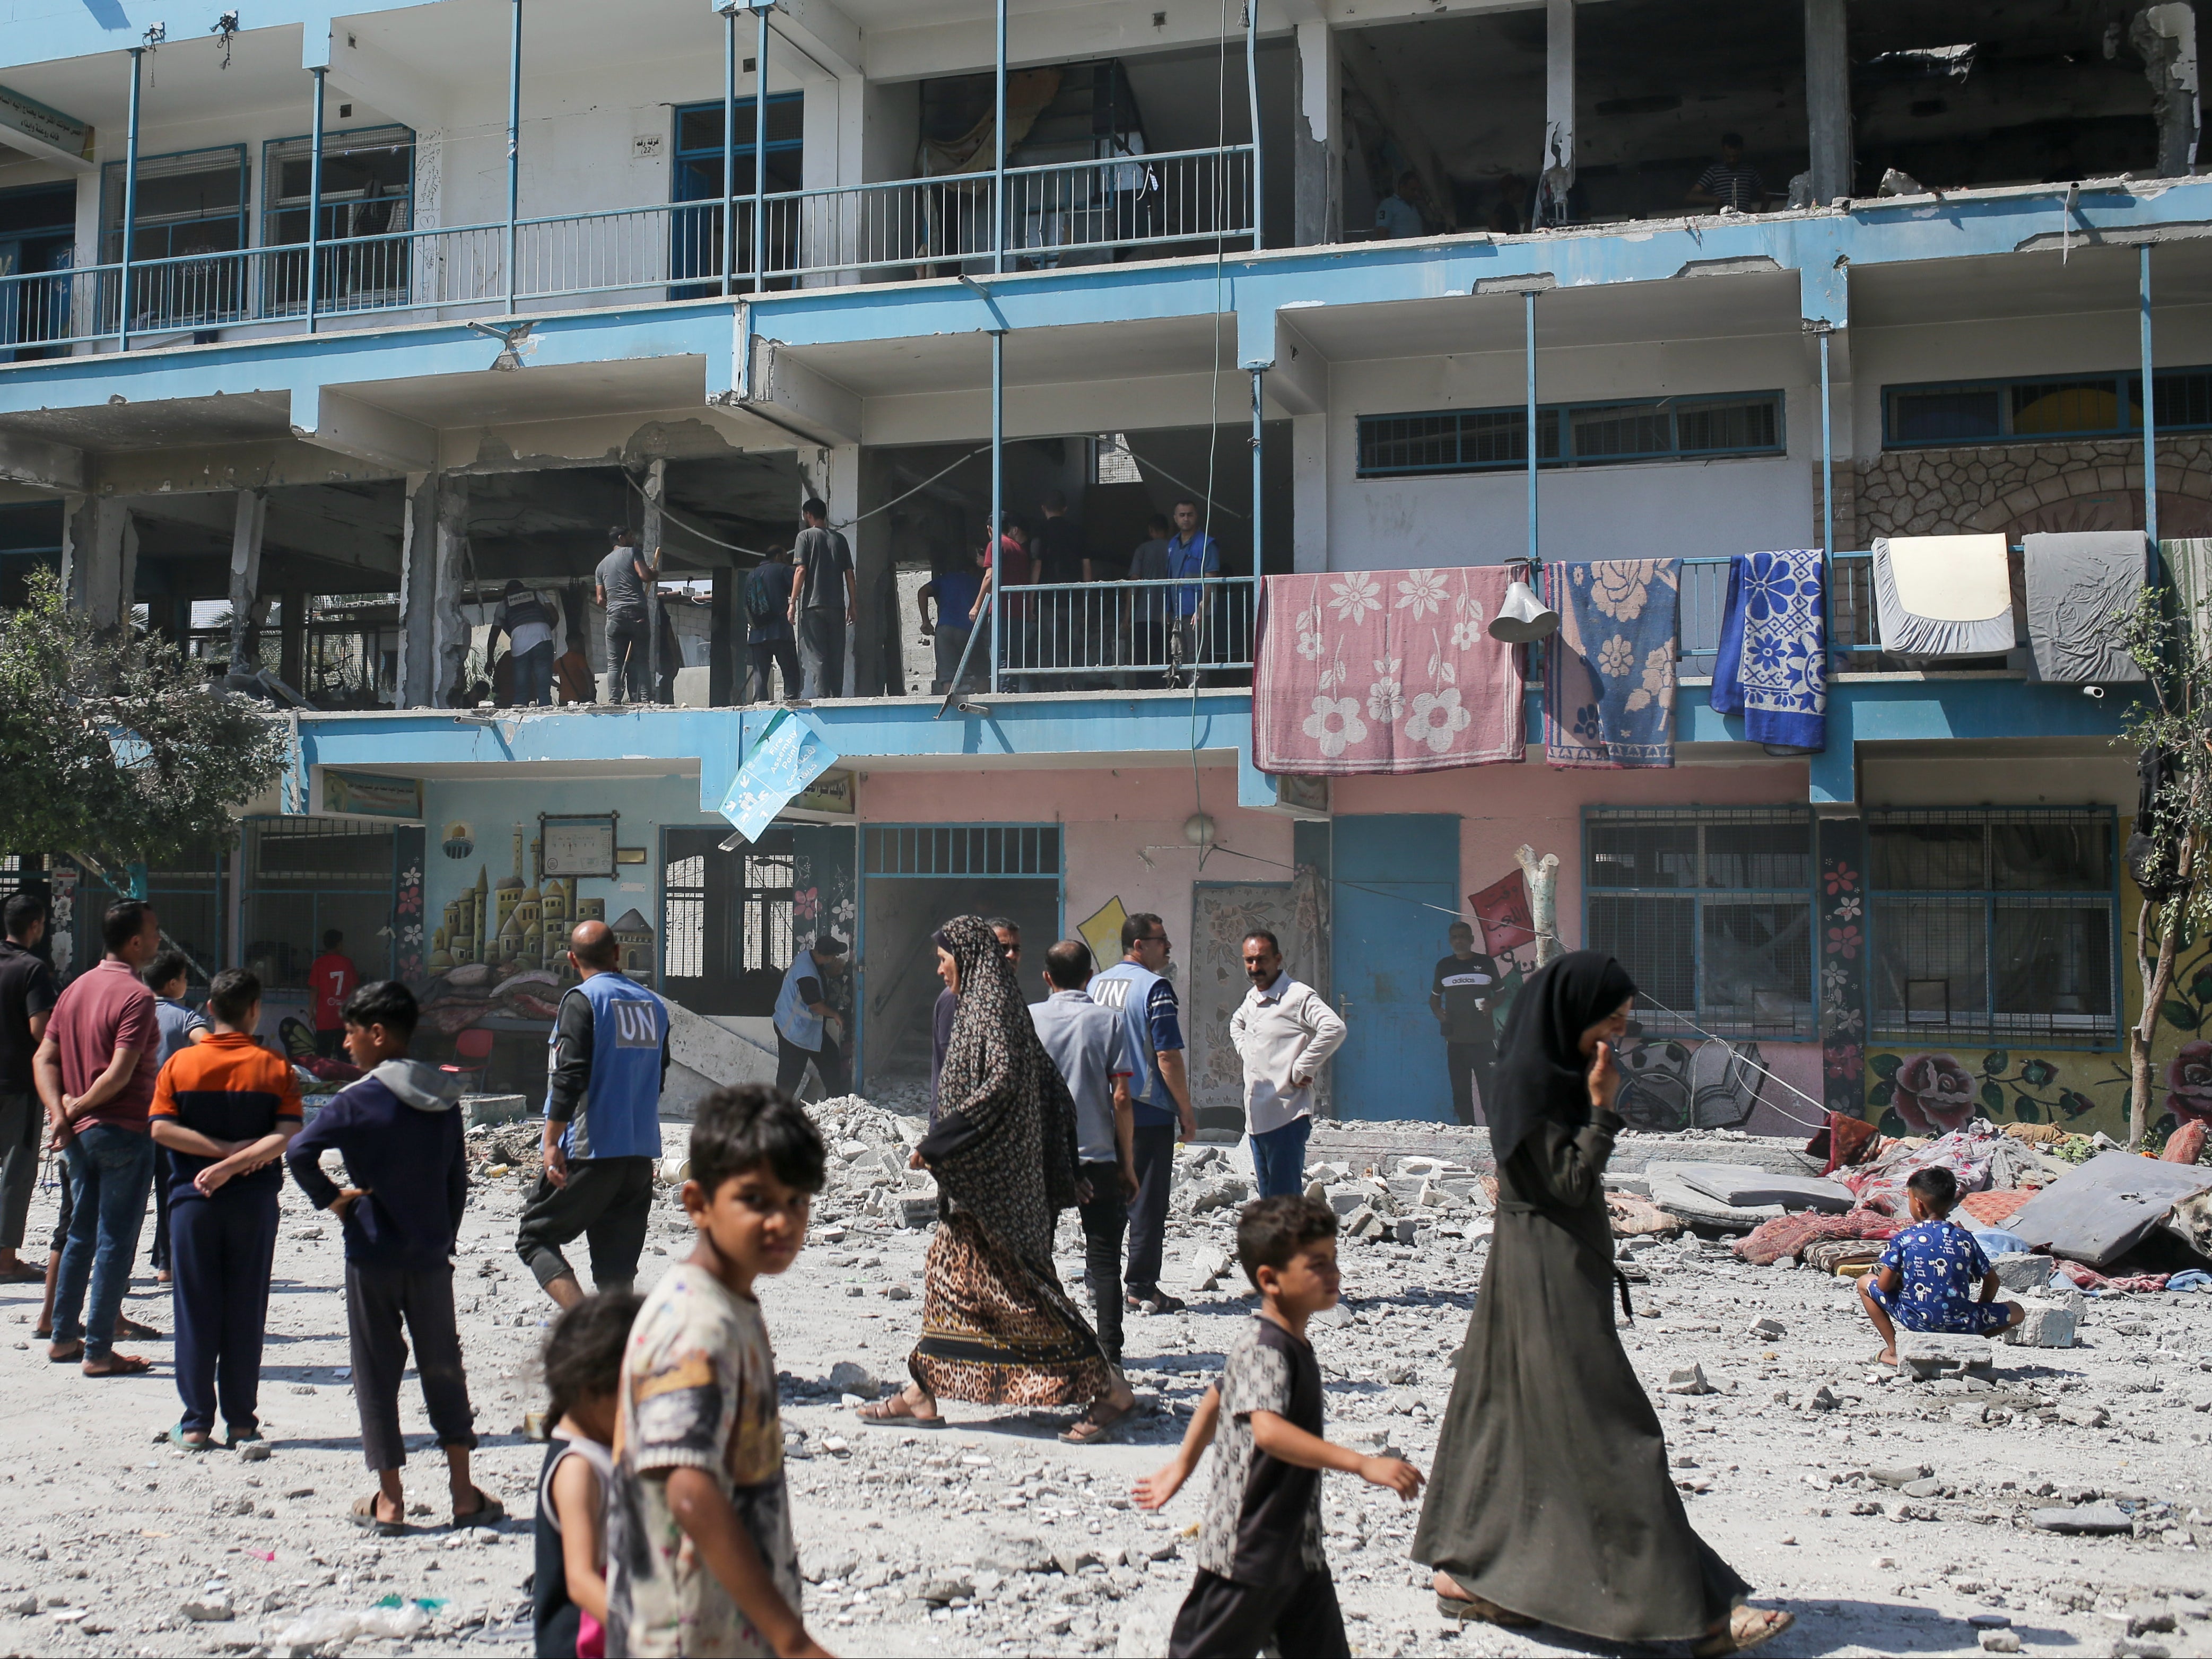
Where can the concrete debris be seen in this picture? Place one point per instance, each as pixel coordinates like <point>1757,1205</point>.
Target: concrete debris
<point>1689,1380</point>
<point>2024,1272</point>
<point>1768,1328</point>
<point>2000,1641</point>
<point>2046,1325</point>
<point>2084,1518</point>
<point>212,1606</point>
<point>1899,1478</point>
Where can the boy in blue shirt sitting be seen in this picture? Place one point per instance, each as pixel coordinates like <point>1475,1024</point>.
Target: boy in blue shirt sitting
<point>1925,1280</point>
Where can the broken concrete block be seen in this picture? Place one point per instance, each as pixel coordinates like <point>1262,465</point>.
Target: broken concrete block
<point>1926,1487</point>
<point>2024,1272</point>
<point>1364,1222</point>
<point>2047,1325</point>
<point>1689,1380</point>
<point>2084,1416</point>
<point>1903,1475</point>
<point>916,1210</point>
<point>1316,1191</point>
<point>2150,1619</point>
<point>212,1605</point>
<point>493,1108</point>
<point>1209,1268</point>
<point>2000,1641</point>
<point>849,1378</point>
<point>1344,1200</point>
<point>1769,1327</point>
<point>2082,1518</point>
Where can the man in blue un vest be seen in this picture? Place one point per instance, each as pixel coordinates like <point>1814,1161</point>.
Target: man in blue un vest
<point>609,1058</point>
<point>807,1028</point>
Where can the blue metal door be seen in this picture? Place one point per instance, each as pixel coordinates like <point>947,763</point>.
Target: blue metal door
<point>1395,892</point>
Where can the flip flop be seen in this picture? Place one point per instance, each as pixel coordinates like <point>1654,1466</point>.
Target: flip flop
<point>364,1515</point>
<point>123,1364</point>
<point>75,1353</point>
<point>890,1419</point>
<point>1475,1610</point>
<point>1772,1621</point>
<point>1089,1429</point>
<point>23,1274</point>
<point>489,1512</point>
<point>177,1439</point>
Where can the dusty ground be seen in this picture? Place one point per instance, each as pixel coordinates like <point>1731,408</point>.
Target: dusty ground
<point>989,1536</point>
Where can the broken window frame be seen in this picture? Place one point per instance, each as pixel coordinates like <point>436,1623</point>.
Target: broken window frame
<point>199,288</point>
<point>2177,390</point>
<point>1995,895</point>
<point>1683,894</point>
<point>1504,430</point>
<point>371,275</point>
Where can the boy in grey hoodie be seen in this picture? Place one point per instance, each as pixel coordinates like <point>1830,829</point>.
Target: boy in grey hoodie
<point>407,1186</point>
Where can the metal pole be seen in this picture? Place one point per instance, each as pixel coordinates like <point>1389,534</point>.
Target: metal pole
<point>315,201</point>
<point>2149,422</point>
<point>1529,304</point>
<point>760,151</point>
<point>514,143</point>
<point>1827,491</point>
<point>1252,94</point>
<point>729,145</point>
<point>998,470</point>
<point>1254,631</point>
<point>999,183</point>
<point>130,210</point>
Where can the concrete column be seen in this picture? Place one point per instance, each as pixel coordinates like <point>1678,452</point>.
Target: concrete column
<point>100,557</point>
<point>292,656</point>
<point>449,624</point>
<point>723,653</point>
<point>649,544</point>
<point>418,540</point>
<point>1310,493</point>
<point>250,514</point>
<point>841,482</point>
<point>2166,37</point>
<point>1317,143</point>
<point>1828,98</point>
<point>1557,176</point>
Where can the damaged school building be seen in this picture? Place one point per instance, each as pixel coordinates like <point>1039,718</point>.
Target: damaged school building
<point>318,330</point>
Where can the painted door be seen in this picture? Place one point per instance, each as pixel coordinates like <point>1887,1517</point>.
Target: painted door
<point>1395,892</point>
<point>1221,914</point>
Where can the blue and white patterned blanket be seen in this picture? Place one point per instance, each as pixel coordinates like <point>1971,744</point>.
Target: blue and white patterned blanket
<point>1609,672</point>
<point>1772,668</point>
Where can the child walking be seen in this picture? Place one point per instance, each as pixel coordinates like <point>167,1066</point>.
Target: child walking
<point>408,1185</point>
<point>583,1371</point>
<point>1262,1578</point>
<point>224,1109</point>
<point>1925,1278</point>
<point>700,1557</point>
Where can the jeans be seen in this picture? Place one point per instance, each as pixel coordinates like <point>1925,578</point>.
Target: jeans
<point>626,679</point>
<point>20,1116</point>
<point>220,1293</point>
<point>1154,1145</point>
<point>378,1298</point>
<point>1278,1158</point>
<point>821,652</point>
<point>113,1169</point>
<point>1104,1218</point>
<point>1470,1063</point>
<point>772,653</point>
<point>609,1200</point>
<point>533,676</point>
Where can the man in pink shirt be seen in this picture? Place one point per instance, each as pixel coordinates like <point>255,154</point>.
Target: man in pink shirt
<point>95,1072</point>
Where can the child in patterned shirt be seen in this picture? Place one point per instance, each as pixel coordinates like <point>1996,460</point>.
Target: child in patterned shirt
<point>1924,1280</point>
<point>1261,1575</point>
<point>700,1556</point>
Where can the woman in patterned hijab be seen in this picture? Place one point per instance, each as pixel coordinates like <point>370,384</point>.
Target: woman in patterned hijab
<point>996,1327</point>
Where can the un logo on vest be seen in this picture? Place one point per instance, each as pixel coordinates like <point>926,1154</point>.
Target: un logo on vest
<point>635,1025</point>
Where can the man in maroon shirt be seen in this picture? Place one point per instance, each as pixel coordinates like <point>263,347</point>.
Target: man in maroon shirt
<point>96,1073</point>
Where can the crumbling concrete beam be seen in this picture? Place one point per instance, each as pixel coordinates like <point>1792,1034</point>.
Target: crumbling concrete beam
<point>250,519</point>
<point>2164,37</point>
<point>1828,98</point>
<point>332,420</point>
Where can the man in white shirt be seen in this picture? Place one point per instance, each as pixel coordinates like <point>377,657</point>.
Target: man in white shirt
<point>1284,1031</point>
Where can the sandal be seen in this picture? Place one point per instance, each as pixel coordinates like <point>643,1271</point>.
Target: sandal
<point>1474,1609</point>
<point>122,1364</point>
<point>23,1274</point>
<point>1090,1428</point>
<point>1748,1628</point>
<point>177,1433</point>
<point>489,1512</point>
<point>56,1356</point>
<point>898,1409</point>
<point>364,1515</point>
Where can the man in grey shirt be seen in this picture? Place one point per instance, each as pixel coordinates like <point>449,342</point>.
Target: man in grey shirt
<point>822,602</point>
<point>620,592</point>
<point>1085,1042</point>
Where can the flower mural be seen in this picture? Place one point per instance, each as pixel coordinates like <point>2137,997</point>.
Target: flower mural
<point>1336,724</point>
<point>2188,1083</point>
<point>1933,1094</point>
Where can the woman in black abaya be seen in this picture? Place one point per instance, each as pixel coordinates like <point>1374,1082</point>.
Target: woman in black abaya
<point>1550,1500</point>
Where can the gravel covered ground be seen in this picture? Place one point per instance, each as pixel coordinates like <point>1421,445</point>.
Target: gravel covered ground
<point>1887,1513</point>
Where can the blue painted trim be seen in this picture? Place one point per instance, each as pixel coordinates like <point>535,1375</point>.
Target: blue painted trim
<point>1936,710</point>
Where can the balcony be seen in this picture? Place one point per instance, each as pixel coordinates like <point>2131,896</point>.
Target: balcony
<point>1191,202</point>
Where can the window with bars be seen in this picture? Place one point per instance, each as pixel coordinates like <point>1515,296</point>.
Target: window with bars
<point>725,919</point>
<point>306,876</point>
<point>1994,924</point>
<point>964,850</point>
<point>1571,434</point>
<point>2060,406</point>
<point>1710,910</point>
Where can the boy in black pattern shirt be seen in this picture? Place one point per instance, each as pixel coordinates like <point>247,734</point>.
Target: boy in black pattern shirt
<point>1261,1574</point>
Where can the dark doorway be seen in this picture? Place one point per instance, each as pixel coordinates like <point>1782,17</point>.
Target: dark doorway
<point>725,919</point>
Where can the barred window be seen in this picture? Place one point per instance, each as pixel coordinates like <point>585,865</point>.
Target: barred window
<point>1710,910</point>
<point>2075,406</point>
<point>1570,435</point>
<point>1994,924</point>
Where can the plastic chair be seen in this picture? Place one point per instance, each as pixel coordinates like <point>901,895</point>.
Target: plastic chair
<point>472,1054</point>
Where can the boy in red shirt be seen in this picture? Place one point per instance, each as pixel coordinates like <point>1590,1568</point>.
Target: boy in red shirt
<point>224,1108</point>
<point>331,978</point>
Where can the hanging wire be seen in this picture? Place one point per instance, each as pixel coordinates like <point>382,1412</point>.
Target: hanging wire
<point>670,514</point>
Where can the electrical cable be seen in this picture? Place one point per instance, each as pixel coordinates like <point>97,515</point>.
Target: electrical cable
<point>670,514</point>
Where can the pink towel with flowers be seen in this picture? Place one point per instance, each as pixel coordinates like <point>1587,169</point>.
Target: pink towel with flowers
<point>1385,670</point>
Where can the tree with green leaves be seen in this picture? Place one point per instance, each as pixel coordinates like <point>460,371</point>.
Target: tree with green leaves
<point>115,748</point>
<point>2171,728</point>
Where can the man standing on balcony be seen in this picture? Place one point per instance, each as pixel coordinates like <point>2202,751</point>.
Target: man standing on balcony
<point>1728,183</point>
<point>527,621</point>
<point>1063,557</point>
<point>823,604</point>
<point>769,642</point>
<point>620,592</point>
<point>1191,552</point>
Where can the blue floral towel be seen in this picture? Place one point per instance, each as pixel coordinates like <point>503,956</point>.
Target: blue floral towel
<point>1773,663</point>
<point>1609,672</point>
